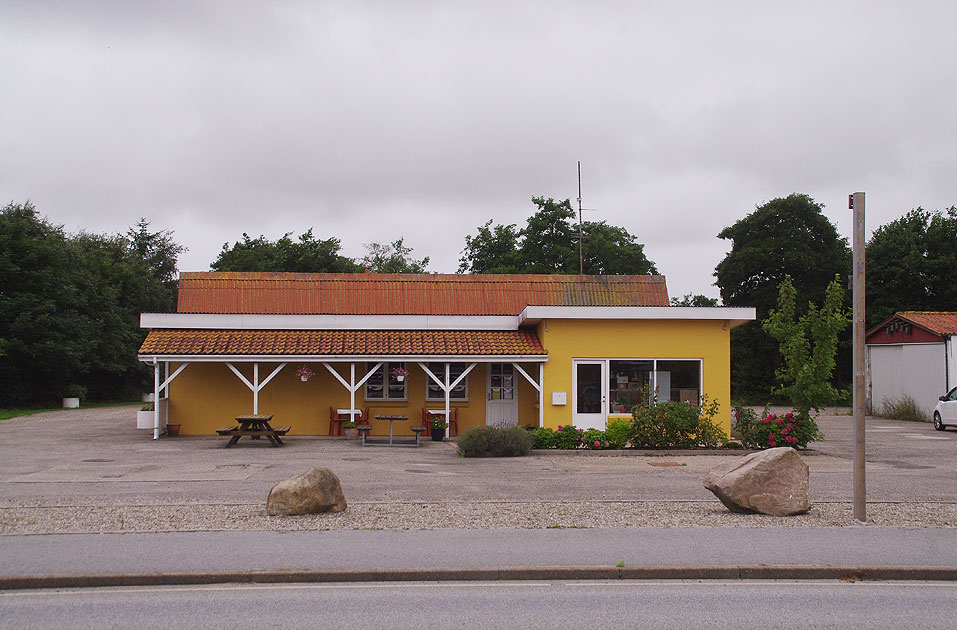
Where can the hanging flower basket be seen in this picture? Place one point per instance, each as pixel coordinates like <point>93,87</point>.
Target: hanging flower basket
<point>399,374</point>
<point>304,373</point>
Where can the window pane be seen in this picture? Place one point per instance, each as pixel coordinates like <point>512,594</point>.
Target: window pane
<point>589,388</point>
<point>627,378</point>
<point>374,384</point>
<point>679,381</point>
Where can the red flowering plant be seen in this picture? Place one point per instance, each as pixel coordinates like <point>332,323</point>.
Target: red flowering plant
<point>773,430</point>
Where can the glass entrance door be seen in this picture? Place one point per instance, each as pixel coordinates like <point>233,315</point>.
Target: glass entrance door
<point>589,404</point>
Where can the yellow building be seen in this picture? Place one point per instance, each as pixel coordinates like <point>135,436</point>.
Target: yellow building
<point>531,350</point>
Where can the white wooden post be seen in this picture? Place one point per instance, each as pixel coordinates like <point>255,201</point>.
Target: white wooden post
<point>156,389</point>
<point>448,418</point>
<point>541,395</point>
<point>255,387</point>
<point>352,392</point>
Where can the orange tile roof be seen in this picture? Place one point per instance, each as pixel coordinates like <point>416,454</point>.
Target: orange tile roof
<point>940,322</point>
<point>408,294</point>
<point>342,342</point>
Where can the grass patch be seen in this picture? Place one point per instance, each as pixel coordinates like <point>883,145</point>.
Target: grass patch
<point>903,408</point>
<point>6,414</point>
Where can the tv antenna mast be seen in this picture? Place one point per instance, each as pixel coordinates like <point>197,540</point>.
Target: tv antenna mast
<point>581,263</point>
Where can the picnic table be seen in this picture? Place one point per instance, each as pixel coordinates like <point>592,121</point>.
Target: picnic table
<point>392,418</point>
<point>254,426</point>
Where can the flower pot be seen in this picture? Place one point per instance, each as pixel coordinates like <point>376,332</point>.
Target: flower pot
<point>303,378</point>
<point>351,434</point>
<point>399,378</point>
<point>172,429</point>
<point>71,403</point>
<point>437,435</point>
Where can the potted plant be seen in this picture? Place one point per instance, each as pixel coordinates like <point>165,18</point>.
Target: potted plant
<point>144,417</point>
<point>351,430</point>
<point>72,395</point>
<point>437,428</point>
<point>400,374</point>
<point>304,373</point>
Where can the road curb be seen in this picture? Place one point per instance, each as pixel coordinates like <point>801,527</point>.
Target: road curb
<point>761,572</point>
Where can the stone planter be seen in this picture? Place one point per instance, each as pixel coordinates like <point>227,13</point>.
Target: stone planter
<point>172,429</point>
<point>437,435</point>
<point>351,434</point>
<point>71,403</point>
<point>144,419</point>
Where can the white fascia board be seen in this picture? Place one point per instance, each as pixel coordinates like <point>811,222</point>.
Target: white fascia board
<point>734,315</point>
<point>343,358</point>
<point>327,322</point>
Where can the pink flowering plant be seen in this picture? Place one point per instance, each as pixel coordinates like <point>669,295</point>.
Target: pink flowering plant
<point>304,372</point>
<point>770,430</point>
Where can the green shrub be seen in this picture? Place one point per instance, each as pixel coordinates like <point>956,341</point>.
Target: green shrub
<point>495,442</point>
<point>676,425</point>
<point>544,437</point>
<point>744,420</point>
<point>904,408</point>
<point>594,439</point>
<point>618,433</point>
<point>568,437</point>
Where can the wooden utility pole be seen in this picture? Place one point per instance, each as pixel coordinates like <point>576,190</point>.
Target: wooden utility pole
<point>856,203</point>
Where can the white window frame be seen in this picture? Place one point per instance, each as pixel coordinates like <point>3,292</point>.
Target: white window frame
<point>654,372</point>
<point>429,383</point>
<point>387,367</point>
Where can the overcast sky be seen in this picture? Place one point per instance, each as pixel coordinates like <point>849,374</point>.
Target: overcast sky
<point>374,120</point>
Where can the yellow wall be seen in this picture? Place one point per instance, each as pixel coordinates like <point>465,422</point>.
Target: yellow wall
<point>208,396</point>
<point>567,339</point>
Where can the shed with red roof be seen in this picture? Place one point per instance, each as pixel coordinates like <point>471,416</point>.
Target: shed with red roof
<point>911,355</point>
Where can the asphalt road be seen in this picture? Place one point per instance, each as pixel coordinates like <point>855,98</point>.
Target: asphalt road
<point>493,605</point>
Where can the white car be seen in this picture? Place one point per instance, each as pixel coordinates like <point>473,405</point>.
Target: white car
<point>945,413</point>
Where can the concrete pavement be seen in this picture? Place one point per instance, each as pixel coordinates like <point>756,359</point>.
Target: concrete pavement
<point>317,556</point>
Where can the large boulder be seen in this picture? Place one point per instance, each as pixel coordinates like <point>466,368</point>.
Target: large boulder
<point>773,482</point>
<point>317,490</point>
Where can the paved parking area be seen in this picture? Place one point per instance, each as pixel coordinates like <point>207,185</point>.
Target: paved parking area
<point>98,455</point>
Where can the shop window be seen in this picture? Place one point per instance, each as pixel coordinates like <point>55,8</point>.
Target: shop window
<point>679,381</point>
<point>628,379</point>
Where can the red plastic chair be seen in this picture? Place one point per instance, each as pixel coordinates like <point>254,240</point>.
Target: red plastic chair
<point>454,421</point>
<point>335,420</point>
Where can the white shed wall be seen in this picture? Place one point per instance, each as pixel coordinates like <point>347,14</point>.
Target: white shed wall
<point>951,364</point>
<point>917,370</point>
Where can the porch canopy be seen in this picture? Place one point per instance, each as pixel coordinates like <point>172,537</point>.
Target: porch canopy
<point>229,346</point>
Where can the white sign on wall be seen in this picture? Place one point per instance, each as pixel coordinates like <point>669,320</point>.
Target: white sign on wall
<point>559,398</point>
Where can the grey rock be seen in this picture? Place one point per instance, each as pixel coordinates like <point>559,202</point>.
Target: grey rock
<point>317,490</point>
<point>772,482</point>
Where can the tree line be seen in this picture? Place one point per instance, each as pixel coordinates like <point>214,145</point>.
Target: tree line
<point>70,303</point>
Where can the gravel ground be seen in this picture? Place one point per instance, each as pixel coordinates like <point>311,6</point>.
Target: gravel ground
<point>133,516</point>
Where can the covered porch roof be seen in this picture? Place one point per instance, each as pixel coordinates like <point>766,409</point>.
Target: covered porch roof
<point>342,345</point>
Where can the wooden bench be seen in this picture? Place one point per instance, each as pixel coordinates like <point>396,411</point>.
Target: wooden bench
<point>364,431</point>
<point>419,430</point>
